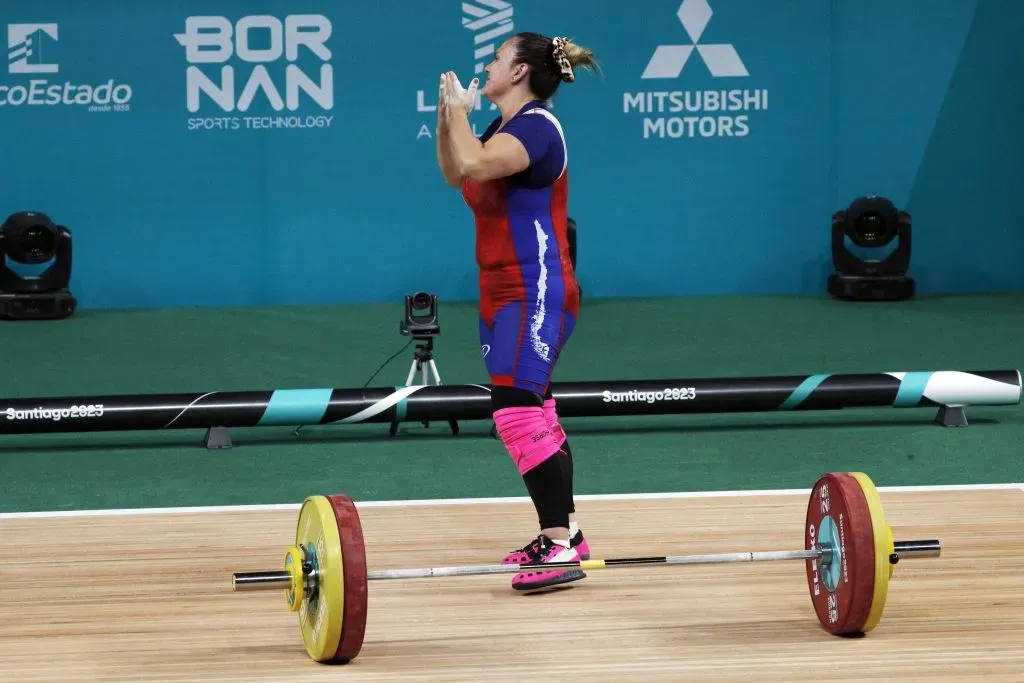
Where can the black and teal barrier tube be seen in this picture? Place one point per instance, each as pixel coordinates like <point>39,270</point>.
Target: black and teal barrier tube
<point>949,391</point>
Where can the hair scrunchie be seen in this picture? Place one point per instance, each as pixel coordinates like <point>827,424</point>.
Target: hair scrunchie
<point>563,62</point>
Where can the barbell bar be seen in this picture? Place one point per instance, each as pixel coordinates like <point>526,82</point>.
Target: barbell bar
<point>247,581</point>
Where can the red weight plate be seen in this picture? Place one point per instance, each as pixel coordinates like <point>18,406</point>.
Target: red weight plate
<point>353,626</point>
<point>859,521</point>
<point>841,593</point>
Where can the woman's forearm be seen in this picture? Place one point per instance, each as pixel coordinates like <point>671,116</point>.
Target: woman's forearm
<point>465,147</point>
<point>446,161</point>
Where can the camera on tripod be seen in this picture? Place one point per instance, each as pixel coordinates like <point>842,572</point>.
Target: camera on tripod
<point>422,326</point>
<point>417,324</point>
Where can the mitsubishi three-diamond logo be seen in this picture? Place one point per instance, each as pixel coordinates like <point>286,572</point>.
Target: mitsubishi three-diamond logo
<point>27,47</point>
<point>712,111</point>
<point>668,61</point>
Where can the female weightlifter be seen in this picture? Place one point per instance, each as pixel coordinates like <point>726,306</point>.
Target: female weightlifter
<point>514,177</point>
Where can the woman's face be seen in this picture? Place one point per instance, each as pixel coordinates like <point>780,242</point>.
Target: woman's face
<point>501,72</point>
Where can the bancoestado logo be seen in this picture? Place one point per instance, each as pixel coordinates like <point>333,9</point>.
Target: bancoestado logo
<point>635,396</point>
<point>55,414</point>
<point>260,43</point>
<point>31,53</point>
<point>695,113</point>
<point>490,22</point>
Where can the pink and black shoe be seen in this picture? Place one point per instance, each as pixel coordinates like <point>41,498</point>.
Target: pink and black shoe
<point>544,551</point>
<point>522,556</point>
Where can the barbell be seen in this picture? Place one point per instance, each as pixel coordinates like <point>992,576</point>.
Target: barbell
<point>849,553</point>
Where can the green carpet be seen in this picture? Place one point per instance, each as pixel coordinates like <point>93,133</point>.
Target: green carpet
<point>194,350</point>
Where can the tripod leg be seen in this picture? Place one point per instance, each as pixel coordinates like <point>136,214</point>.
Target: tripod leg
<point>424,368</point>
<point>454,424</point>
<point>434,372</point>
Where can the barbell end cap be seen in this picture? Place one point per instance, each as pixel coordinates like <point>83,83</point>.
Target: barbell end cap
<point>917,549</point>
<point>258,581</point>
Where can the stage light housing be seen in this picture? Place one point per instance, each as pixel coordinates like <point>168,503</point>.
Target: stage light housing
<point>420,316</point>
<point>871,223</point>
<point>32,239</point>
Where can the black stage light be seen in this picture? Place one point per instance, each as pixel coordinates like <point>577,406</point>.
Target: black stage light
<point>871,223</point>
<point>31,238</point>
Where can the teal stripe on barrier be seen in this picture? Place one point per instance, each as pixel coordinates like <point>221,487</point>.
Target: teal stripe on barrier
<point>296,406</point>
<point>802,391</point>
<point>400,407</point>
<point>912,389</point>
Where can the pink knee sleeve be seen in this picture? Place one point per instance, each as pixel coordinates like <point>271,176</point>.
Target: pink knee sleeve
<point>526,435</point>
<point>552,419</point>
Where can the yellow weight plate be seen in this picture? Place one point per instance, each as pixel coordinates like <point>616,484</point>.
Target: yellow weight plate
<point>883,549</point>
<point>322,611</point>
<point>296,593</point>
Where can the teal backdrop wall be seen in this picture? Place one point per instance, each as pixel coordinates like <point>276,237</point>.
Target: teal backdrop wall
<point>316,181</point>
